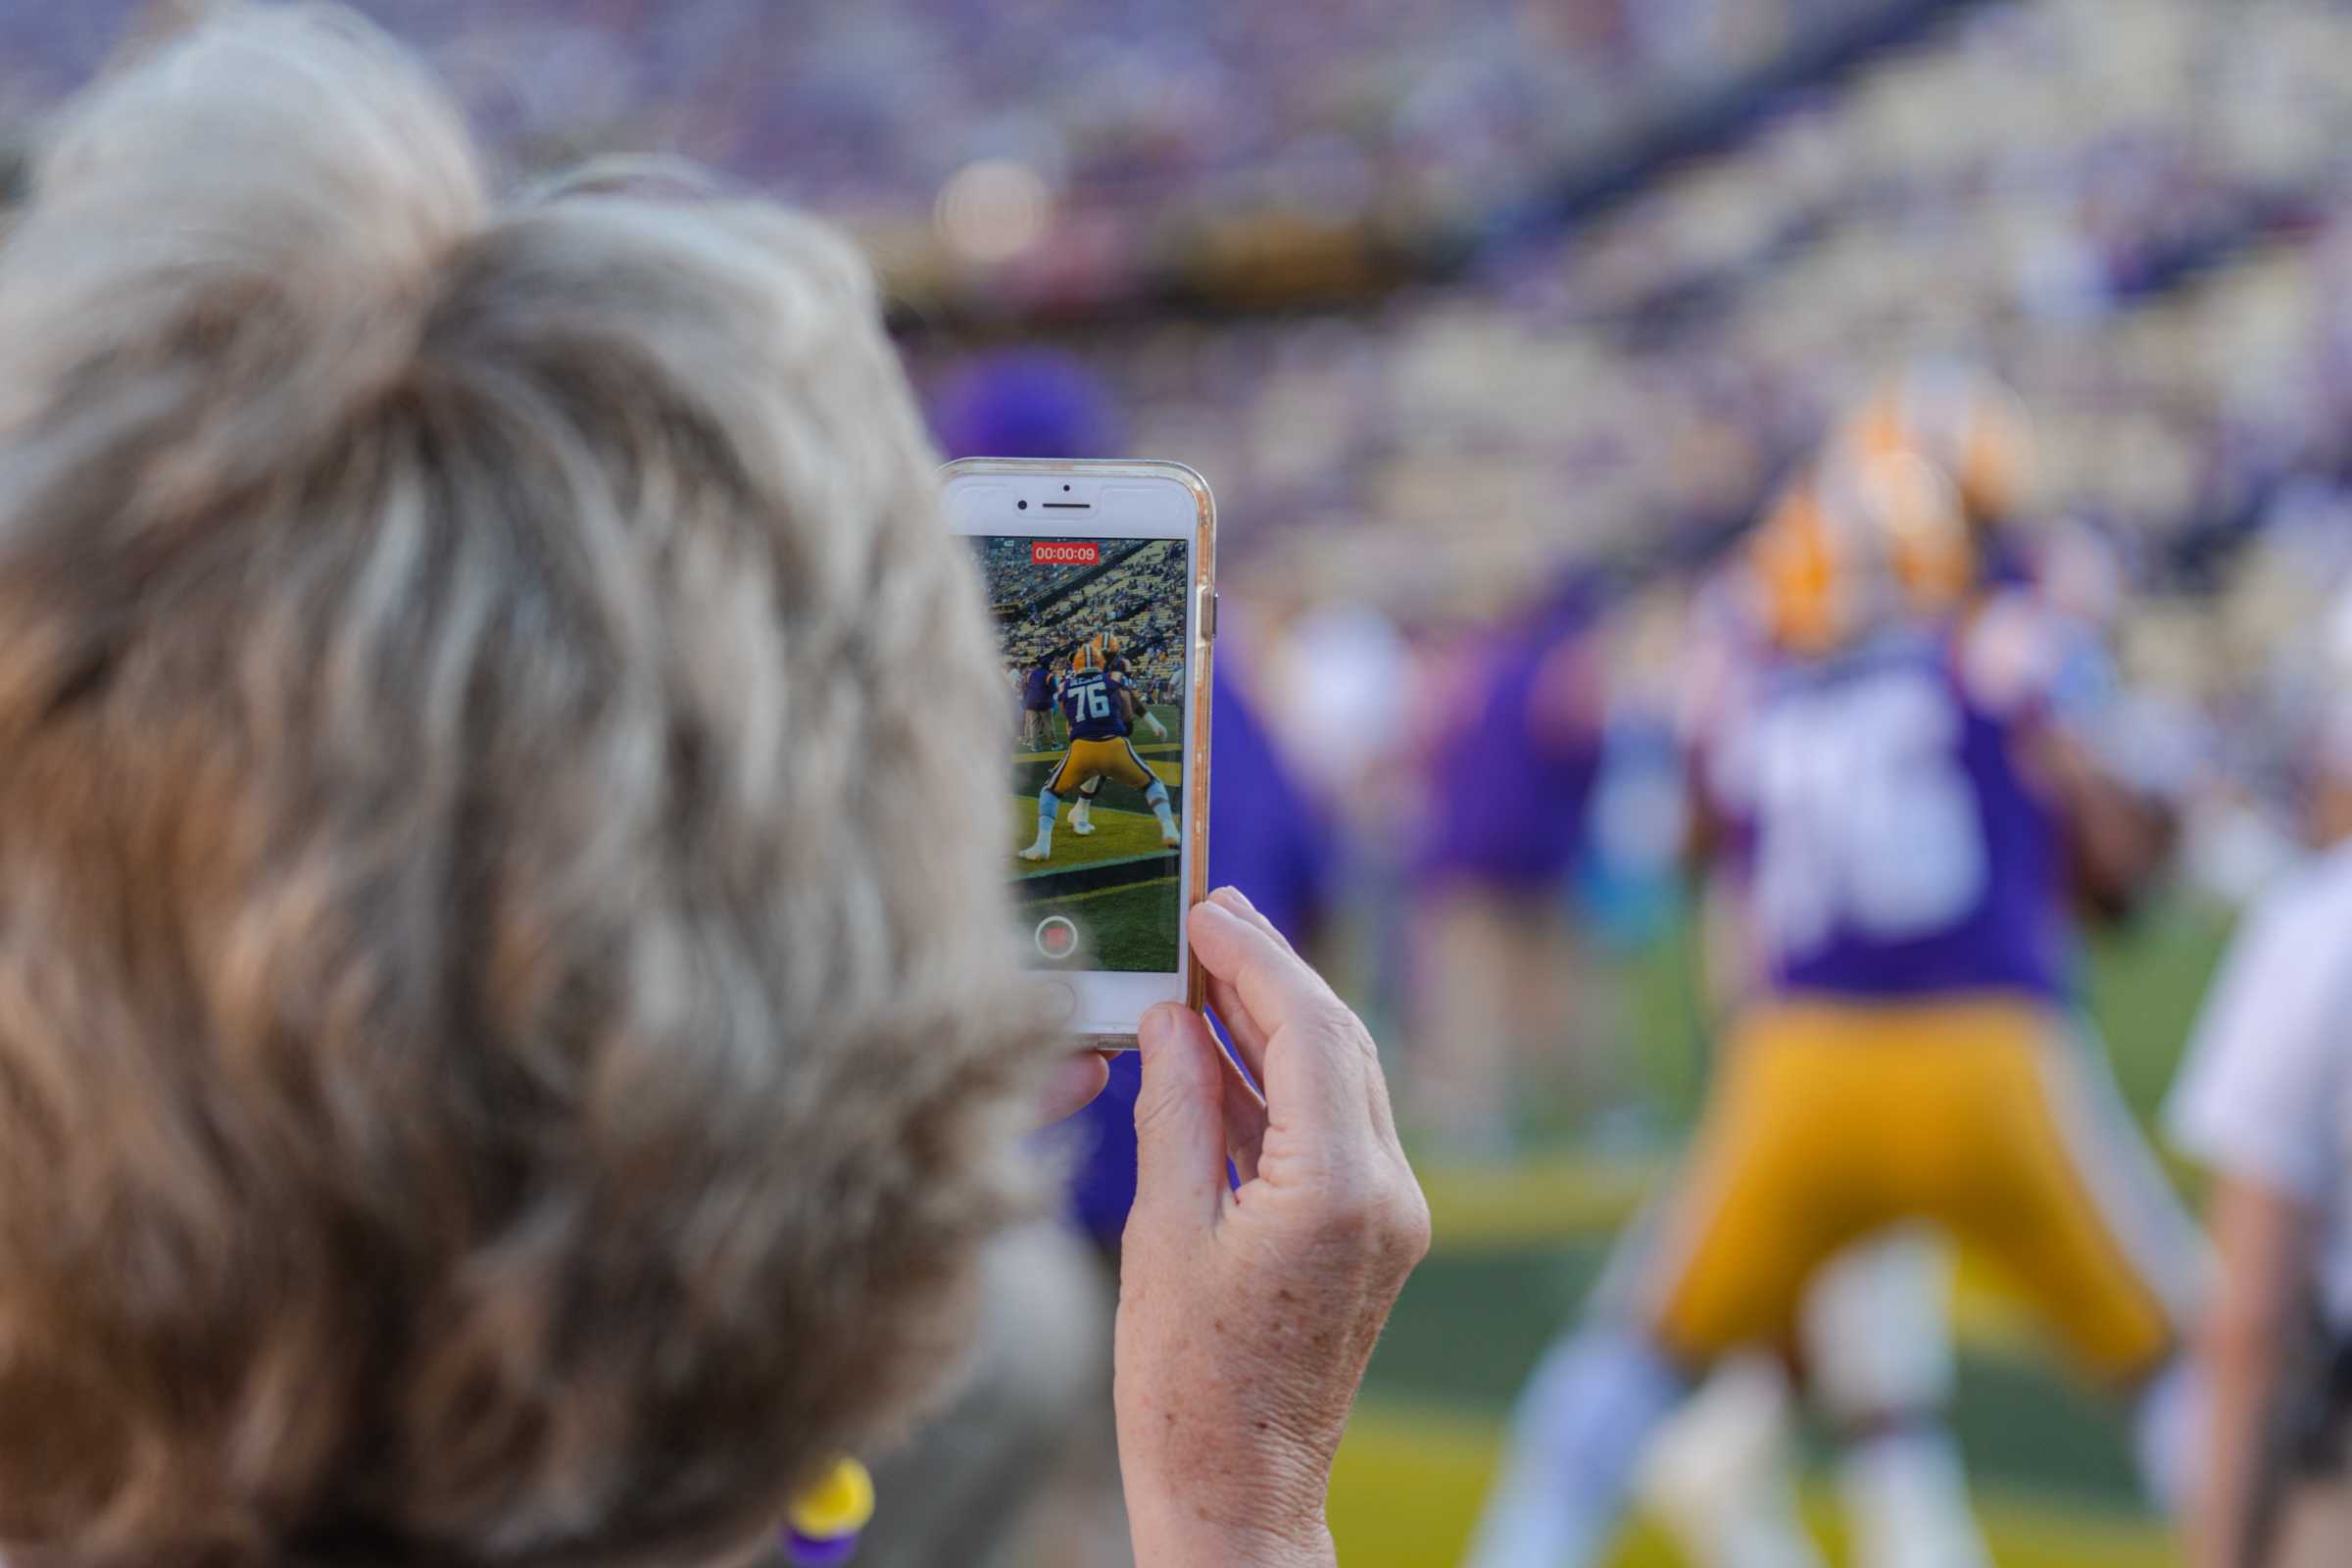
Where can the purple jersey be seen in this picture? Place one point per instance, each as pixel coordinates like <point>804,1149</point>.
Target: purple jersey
<point>1036,691</point>
<point>1094,701</point>
<point>1511,782</point>
<point>1888,843</point>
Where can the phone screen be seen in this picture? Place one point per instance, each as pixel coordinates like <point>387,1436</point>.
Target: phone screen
<point>1092,634</point>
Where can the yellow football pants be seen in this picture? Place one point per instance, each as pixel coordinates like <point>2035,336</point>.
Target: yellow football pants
<point>1831,1120</point>
<point>1114,760</point>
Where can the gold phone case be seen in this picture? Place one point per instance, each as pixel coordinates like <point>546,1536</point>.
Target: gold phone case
<point>1204,626</point>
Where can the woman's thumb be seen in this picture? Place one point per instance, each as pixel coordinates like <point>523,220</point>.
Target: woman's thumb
<point>1179,1116</point>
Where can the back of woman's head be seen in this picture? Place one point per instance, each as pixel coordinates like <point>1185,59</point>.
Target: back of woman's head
<point>503,1046</point>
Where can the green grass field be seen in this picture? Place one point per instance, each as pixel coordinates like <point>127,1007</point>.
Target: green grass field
<point>1517,1247</point>
<point>1407,1485</point>
<point>1128,919</point>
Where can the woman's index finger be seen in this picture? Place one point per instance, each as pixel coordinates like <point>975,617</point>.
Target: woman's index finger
<point>1273,982</point>
<point>1234,901</point>
<point>1313,1066</point>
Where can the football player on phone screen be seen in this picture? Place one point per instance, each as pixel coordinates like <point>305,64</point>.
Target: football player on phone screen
<point>1082,809</point>
<point>1100,709</point>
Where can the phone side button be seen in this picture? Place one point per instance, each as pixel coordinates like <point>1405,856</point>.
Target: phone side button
<point>1208,614</point>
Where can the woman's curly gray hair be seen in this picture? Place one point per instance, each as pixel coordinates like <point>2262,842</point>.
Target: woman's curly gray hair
<point>506,1042</point>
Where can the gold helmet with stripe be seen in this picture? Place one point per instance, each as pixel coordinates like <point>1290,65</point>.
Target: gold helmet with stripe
<point>1958,419</point>
<point>1096,653</point>
<point>1854,545</point>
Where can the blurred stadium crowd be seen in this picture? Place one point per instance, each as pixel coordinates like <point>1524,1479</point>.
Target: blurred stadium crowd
<point>1138,597</point>
<point>1494,324</point>
<point>2131,210</point>
<point>1014,579</point>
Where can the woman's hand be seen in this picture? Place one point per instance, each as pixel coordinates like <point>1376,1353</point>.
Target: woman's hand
<point>1246,1317</point>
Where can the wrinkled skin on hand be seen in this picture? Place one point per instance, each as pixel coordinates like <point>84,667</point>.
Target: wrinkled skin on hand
<point>1247,1315</point>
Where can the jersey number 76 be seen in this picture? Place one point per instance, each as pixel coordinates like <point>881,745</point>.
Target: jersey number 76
<point>1865,820</point>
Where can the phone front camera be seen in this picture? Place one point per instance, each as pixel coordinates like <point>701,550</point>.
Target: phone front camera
<point>1022,505</point>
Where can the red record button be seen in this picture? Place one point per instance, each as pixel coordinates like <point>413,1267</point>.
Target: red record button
<point>1057,937</point>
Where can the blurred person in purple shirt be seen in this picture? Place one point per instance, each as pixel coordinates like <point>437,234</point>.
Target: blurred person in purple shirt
<point>1037,706</point>
<point>1510,781</point>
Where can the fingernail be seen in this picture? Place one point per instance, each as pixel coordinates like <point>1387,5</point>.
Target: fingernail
<point>1158,1024</point>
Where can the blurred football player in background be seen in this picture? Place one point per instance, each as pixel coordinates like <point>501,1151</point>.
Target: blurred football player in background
<point>1875,1336</point>
<point>1914,816</point>
<point>2264,1101</point>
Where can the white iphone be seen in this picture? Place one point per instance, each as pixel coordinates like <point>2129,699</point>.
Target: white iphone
<point>1101,576</point>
